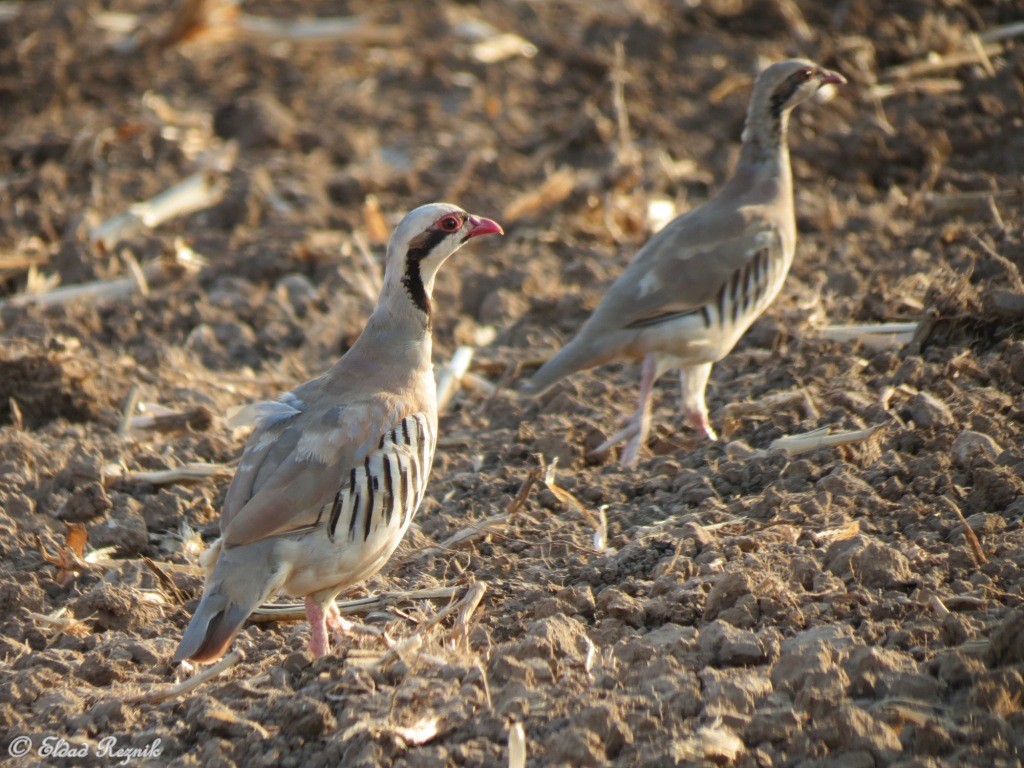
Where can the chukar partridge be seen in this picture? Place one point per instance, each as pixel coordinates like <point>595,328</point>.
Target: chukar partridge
<point>696,286</point>
<point>334,470</point>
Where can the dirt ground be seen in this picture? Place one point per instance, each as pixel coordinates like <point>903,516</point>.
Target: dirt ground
<point>744,607</point>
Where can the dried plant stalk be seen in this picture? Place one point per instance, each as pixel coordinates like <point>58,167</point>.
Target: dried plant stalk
<point>199,418</point>
<point>327,29</point>
<point>969,534</point>
<point>795,20</point>
<point>61,622</point>
<point>158,271</point>
<point>131,403</point>
<point>730,413</point>
<point>938,606</point>
<point>1005,32</point>
<point>408,649</point>
<point>451,376</point>
<point>216,20</point>
<point>296,611</point>
<point>13,263</point>
<point>190,684</point>
<point>935,63</point>
<point>873,335</point>
<point>794,445</point>
<point>626,152</point>
<point>516,746</point>
<point>488,525</point>
<point>468,535</point>
<point>502,46</point>
<point>1011,268</point>
<point>198,191</point>
<point>468,606</point>
<point>477,383</point>
<point>960,202</point>
<point>554,190</point>
<point>190,473</point>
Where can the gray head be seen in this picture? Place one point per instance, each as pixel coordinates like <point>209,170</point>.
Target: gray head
<point>777,90</point>
<point>421,243</point>
<point>785,84</point>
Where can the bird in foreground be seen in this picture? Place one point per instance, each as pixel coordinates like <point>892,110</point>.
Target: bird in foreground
<point>696,286</point>
<point>334,470</point>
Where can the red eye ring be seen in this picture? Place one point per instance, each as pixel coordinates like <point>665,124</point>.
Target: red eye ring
<point>805,74</point>
<point>450,223</point>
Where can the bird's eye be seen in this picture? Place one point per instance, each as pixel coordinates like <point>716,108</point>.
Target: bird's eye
<point>804,74</point>
<point>449,223</point>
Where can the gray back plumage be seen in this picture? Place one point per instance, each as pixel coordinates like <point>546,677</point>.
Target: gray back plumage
<point>726,258</point>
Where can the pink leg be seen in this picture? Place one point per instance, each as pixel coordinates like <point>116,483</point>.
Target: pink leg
<point>635,431</point>
<point>693,380</point>
<point>319,645</point>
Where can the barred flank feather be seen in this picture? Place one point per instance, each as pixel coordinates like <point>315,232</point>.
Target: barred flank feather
<point>389,486</point>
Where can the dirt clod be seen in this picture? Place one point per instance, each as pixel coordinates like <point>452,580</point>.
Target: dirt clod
<point>729,646</point>
<point>928,411</point>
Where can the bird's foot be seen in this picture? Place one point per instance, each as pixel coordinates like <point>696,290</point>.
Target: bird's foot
<point>698,421</point>
<point>631,451</point>
<point>632,435</point>
<point>345,630</point>
<point>337,623</point>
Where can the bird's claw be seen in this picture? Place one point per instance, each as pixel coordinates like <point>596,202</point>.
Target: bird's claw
<point>340,626</point>
<point>632,435</point>
<point>698,421</point>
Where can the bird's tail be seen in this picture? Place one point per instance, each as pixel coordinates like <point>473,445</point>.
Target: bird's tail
<point>232,593</point>
<point>578,355</point>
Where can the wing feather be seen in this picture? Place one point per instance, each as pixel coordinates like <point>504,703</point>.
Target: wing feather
<point>686,266</point>
<point>290,469</point>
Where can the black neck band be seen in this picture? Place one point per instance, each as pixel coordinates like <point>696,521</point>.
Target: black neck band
<point>419,249</point>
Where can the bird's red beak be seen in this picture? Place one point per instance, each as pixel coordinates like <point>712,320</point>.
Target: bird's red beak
<point>481,226</point>
<point>828,77</point>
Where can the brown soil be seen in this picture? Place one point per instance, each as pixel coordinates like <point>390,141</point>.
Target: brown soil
<point>748,608</point>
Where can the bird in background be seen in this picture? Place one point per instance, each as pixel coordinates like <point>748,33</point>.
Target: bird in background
<point>335,469</point>
<point>696,286</point>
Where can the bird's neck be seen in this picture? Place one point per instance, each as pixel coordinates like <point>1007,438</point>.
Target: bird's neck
<point>763,166</point>
<point>418,288</point>
<point>764,135</point>
<point>399,330</point>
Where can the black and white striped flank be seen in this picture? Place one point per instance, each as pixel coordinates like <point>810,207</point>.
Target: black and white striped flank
<point>388,487</point>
